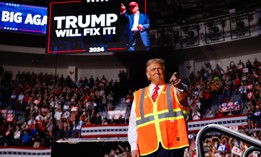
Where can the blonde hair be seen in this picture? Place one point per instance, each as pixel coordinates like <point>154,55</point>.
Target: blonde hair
<point>156,60</point>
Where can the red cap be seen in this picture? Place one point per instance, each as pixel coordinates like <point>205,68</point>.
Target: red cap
<point>133,4</point>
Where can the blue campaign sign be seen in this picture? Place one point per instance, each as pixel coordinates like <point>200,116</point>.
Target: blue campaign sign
<point>23,18</point>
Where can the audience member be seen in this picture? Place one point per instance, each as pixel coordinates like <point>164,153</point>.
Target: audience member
<point>26,139</point>
<point>210,114</point>
<point>17,136</point>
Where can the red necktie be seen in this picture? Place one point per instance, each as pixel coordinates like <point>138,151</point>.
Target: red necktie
<point>155,94</point>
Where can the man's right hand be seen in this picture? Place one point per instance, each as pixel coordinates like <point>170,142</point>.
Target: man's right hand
<point>123,8</point>
<point>135,153</point>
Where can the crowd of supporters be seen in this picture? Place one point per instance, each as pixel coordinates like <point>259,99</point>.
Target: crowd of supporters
<point>48,104</point>
<point>48,107</point>
<point>219,92</point>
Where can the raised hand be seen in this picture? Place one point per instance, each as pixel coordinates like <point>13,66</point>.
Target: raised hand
<point>123,8</point>
<point>175,80</point>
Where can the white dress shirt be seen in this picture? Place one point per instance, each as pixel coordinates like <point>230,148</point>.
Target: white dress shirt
<point>135,22</point>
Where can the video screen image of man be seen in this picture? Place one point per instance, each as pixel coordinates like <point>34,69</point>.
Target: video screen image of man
<point>136,33</point>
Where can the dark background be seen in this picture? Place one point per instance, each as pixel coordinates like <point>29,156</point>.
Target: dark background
<point>85,149</point>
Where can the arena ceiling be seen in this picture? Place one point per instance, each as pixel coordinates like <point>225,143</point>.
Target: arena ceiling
<point>166,12</point>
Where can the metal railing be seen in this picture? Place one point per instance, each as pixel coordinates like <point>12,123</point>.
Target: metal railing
<point>255,144</point>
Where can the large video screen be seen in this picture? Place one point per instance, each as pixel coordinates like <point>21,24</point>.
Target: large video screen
<point>97,26</point>
<point>23,18</point>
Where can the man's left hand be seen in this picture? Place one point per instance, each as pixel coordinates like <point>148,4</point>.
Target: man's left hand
<point>139,27</point>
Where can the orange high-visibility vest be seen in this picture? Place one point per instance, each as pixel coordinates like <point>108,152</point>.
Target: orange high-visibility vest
<point>162,121</point>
